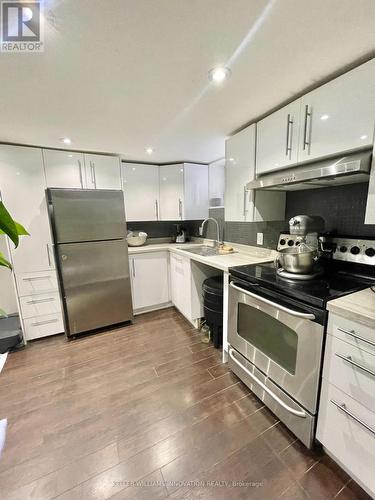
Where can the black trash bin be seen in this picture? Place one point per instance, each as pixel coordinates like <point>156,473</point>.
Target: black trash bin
<point>213,307</point>
<point>10,333</point>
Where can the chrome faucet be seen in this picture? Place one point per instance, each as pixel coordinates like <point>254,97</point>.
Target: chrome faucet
<point>217,241</point>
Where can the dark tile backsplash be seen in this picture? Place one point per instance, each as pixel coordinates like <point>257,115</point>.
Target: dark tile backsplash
<point>342,208</point>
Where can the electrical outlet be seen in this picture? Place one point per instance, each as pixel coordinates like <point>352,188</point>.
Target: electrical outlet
<point>259,238</point>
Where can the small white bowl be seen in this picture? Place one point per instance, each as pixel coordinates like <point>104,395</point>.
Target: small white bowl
<point>136,241</point>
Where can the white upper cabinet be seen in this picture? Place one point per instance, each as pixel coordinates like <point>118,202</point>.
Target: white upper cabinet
<point>239,170</point>
<point>339,116</point>
<point>141,188</point>
<point>102,171</point>
<point>242,205</point>
<point>216,183</point>
<point>195,201</point>
<point>64,169</point>
<point>22,186</point>
<point>183,192</point>
<point>277,139</point>
<point>171,192</point>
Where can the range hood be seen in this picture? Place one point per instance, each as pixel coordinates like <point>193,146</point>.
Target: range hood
<point>349,169</point>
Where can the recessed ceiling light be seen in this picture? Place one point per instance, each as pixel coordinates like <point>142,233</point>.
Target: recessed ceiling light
<point>149,150</point>
<point>231,160</point>
<point>363,137</point>
<point>324,117</point>
<point>65,140</point>
<point>219,74</point>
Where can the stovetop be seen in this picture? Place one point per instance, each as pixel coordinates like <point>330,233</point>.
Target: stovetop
<point>338,279</point>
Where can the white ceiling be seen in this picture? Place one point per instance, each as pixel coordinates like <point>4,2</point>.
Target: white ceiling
<point>120,75</point>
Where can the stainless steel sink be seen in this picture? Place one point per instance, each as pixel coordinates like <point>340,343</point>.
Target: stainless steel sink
<point>204,250</point>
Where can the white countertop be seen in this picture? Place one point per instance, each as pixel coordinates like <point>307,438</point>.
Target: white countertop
<point>358,306</point>
<point>244,254</point>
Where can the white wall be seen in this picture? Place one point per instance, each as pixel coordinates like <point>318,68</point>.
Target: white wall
<point>7,292</point>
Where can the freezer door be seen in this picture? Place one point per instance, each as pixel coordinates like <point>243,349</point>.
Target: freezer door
<point>95,284</point>
<point>86,215</point>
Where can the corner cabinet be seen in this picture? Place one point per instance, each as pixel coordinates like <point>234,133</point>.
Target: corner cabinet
<point>242,205</point>
<point>66,169</point>
<point>141,189</point>
<point>183,192</point>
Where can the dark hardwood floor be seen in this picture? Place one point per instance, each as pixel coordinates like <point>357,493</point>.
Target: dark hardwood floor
<point>147,412</point>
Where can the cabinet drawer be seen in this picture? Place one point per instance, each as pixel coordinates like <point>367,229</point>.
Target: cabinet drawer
<point>348,433</point>
<point>350,369</point>
<point>354,333</point>
<point>42,326</point>
<point>41,304</point>
<point>42,281</point>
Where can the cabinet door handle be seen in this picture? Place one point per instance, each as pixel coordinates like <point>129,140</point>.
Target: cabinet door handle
<point>343,408</point>
<point>94,170</point>
<point>157,209</point>
<point>244,201</point>
<point>355,336</point>
<point>349,359</point>
<point>36,278</point>
<point>40,301</point>
<point>133,266</point>
<point>48,255</point>
<point>289,125</point>
<point>80,173</point>
<point>47,322</point>
<point>180,208</point>
<point>307,118</point>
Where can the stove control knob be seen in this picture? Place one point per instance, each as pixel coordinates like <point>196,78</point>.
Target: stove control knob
<point>290,243</point>
<point>343,249</point>
<point>282,242</point>
<point>355,250</point>
<point>370,252</point>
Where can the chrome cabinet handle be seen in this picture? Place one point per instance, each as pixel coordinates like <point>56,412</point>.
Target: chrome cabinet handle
<point>48,322</point>
<point>289,125</point>
<point>40,301</point>
<point>297,413</point>
<point>307,117</point>
<point>36,278</point>
<point>244,201</point>
<point>180,208</point>
<point>349,359</point>
<point>355,336</point>
<point>157,209</point>
<point>48,255</point>
<point>343,408</point>
<point>133,266</point>
<point>94,170</point>
<point>80,173</point>
<point>274,304</point>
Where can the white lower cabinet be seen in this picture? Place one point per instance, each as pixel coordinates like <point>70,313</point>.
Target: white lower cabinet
<point>150,280</point>
<point>346,419</point>
<point>43,326</point>
<point>40,305</point>
<point>181,284</point>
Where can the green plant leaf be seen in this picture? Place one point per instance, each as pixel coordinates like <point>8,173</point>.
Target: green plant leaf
<point>3,314</point>
<point>7,224</point>
<point>21,231</point>
<point>4,262</point>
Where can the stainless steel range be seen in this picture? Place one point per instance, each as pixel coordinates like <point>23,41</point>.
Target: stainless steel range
<point>277,326</point>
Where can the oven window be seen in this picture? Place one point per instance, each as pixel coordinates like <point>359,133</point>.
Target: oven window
<point>273,338</point>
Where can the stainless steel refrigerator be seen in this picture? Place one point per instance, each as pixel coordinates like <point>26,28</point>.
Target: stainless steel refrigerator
<point>89,232</point>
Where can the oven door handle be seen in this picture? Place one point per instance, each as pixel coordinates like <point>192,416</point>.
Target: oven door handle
<point>297,413</point>
<point>274,304</point>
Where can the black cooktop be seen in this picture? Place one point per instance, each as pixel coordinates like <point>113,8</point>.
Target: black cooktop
<point>338,279</point>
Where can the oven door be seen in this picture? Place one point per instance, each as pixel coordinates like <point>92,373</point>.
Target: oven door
<point>281,337</point>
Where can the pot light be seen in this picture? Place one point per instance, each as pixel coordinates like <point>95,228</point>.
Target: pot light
<point>65,140</point>
<point>149,150</point>
<point>324,117</point>
<point>363,137</point>
<point>219,74</point>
